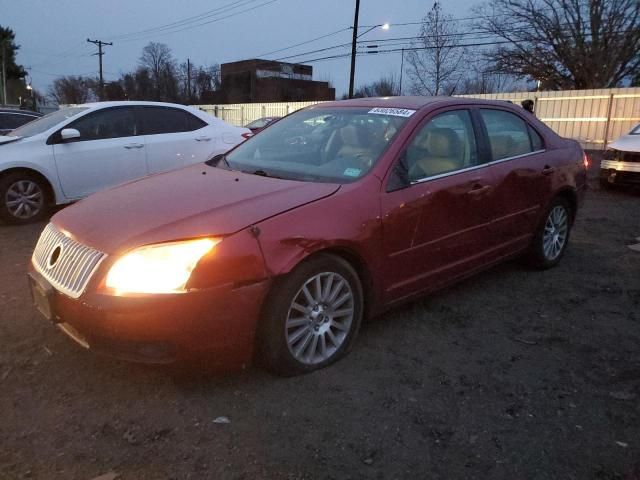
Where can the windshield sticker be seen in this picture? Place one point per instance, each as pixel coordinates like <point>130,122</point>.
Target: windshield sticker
<point>352,172</point>
<point>396,112</point>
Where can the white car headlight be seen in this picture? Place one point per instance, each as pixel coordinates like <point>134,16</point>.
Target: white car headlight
<point>162,268</point>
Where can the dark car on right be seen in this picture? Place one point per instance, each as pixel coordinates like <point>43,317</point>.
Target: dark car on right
<point>261,123</point>
<point>12,118</point>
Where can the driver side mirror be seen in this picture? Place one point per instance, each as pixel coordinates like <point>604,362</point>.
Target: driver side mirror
<point>69,134</point>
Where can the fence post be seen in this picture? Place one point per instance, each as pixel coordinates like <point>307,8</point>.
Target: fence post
<point>242,115</point>
<point>264,111</point>
<point>606,126</point>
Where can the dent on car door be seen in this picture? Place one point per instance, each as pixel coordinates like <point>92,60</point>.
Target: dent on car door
<point>174,138</point>
<point>436,220</point>
<point>107,153</point>
<point>522,171</point>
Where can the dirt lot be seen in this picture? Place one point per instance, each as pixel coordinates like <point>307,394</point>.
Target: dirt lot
<point>511,375</point>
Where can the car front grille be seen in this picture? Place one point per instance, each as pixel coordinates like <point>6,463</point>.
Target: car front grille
<point>66,264</point>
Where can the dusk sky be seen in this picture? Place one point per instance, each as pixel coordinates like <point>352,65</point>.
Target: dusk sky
<point>52,35</point>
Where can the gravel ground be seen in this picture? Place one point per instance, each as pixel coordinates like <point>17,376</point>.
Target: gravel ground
<point>513,374</point>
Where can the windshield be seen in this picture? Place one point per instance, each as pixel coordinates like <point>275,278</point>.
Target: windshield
<point>43,124</point>
<point>326,145</point>
<point>635,130</point>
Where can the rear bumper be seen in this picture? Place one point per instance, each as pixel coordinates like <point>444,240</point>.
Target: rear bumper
<point>219,323</point>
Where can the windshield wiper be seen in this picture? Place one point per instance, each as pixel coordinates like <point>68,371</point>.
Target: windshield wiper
<point>263,173</point>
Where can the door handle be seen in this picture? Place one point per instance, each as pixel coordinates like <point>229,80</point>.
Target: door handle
<point>133,145</point>
<point>547,170</point>
<point>203,139</point>
<point>479,189</point>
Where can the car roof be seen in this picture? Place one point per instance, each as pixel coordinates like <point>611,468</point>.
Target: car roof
<point>413,103</point>
<point>124,103</point>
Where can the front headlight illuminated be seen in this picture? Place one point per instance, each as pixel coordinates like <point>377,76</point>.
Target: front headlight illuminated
<point>162,268</point>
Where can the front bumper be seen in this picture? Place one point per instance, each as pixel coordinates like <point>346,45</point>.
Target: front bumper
<point>617,172</point>
<point>219,323</point>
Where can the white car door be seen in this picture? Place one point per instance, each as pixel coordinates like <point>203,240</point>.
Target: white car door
<point>175,138</point>
<point>107,153</point>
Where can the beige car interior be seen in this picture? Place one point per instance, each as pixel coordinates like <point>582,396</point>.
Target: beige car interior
<point>435,151</point>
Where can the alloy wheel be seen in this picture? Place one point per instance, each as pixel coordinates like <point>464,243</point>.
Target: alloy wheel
<point>24,199</point>
<point>555,234</point>
<point>319,318</point>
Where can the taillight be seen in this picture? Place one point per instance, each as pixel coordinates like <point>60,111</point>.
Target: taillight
<point>585,160</point>
<point>247,136</point>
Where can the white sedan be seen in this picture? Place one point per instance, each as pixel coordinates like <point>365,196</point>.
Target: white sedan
<point>621,163</point>
<point>74,152</point>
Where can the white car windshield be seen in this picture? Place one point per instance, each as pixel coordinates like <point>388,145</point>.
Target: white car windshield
<point>43,124</point>
<point>635,130</point>
<point>323,144</point>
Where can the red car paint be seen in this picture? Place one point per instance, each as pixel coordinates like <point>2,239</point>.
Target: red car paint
<point>403,243</point>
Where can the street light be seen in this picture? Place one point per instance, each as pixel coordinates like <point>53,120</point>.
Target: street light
<point>384,26</point>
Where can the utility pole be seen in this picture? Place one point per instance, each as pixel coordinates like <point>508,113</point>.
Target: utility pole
<point>353,49</point>
<point>100,53</point>
<point>189,80</point>
<point>401,70</point>
<point>4,72</point>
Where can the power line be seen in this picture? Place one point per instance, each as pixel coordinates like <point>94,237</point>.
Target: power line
<point>190,27</point>
<point>184,21</point>
<point>305,42</point>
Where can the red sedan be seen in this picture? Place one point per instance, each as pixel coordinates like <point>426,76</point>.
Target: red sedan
<point>279,250</point>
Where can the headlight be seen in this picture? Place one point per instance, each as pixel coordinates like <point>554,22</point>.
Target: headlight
<point>162,268</point>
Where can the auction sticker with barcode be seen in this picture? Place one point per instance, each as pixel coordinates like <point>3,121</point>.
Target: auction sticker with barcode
<point>396,112</point>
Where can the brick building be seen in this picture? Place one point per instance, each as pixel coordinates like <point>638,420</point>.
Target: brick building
<point>250,81</point>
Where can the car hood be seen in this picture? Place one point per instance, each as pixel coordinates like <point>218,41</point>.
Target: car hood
<point>627,143</point>
<point>195,201</point>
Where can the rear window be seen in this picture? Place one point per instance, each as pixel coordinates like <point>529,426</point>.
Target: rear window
<point>509,135</point>
<point>159,120</point>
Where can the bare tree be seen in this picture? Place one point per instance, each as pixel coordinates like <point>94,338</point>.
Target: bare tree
<point>207,79</point>
<point>480,78</point>
<point>566,43</point>
<point>71,90</point>
<point>435,66</point>
<point>384,87</point>
<point>158,60</point>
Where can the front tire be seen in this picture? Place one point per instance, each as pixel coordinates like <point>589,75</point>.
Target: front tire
<point>312,316</point>
<point>23,198</point>
<point>552,237</point>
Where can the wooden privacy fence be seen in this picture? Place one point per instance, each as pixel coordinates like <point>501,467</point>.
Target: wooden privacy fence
<point>593,117</point>
<point>240,114</point>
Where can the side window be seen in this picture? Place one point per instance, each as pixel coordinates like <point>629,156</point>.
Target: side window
<point>445,144</point>
<point>106,123</point>
<point>508,134</point>
<point>536,140</point>
<point>158,120</point>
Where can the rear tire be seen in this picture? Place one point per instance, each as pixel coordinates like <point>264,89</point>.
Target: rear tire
<point>552,236</point>
<point>24,198</point>
<point>312,316</point>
